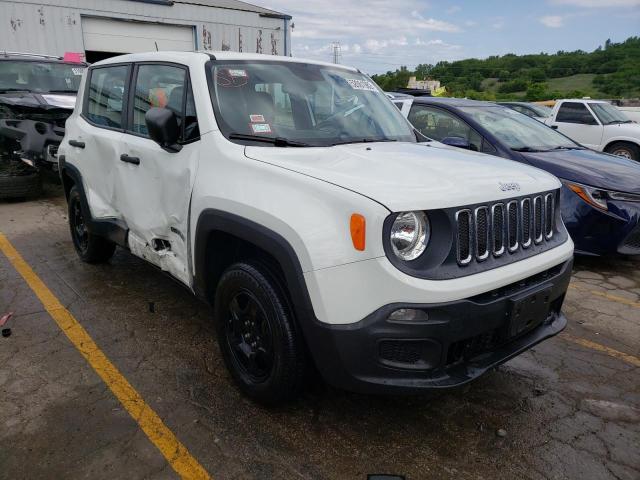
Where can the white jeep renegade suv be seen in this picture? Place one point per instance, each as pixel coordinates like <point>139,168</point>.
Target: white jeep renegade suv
<point>295,198</point>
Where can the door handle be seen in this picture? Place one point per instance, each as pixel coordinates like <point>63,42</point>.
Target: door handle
<point>555,127</point>
<point>76,143</point>
<point>133,160</point>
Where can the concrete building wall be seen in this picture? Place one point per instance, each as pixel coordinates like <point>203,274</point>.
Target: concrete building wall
<point>54,27</point>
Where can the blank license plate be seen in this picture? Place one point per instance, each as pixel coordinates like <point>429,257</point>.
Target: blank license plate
<point>528,310</point>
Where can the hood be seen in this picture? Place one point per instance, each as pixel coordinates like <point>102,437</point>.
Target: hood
<point>624,130</point>
<point>411,176</point>
<point>39,101</point>
<point>590,168</point>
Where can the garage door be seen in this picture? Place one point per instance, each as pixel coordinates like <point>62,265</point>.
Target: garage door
<point>118,36</point>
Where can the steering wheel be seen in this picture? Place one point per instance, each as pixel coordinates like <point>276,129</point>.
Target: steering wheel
<point>341,114</point>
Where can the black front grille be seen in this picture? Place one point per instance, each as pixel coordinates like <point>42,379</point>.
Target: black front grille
<point>397,351</point>
<point>470,347</point>
<point>512,227</point>
<point>526,222</point>
<point>498,228</point>
<point>537,219</point>
<point>463,220</point>
<point>501,227</point>
<point>482,233</point>
<point>632,242</point>
<point>549,210</point>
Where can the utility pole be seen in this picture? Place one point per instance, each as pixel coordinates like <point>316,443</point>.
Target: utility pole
<point>337,52</point>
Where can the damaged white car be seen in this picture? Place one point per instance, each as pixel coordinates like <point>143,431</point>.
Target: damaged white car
<point>295,198</point>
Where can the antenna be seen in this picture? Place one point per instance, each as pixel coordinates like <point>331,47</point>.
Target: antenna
<point>156,46</point>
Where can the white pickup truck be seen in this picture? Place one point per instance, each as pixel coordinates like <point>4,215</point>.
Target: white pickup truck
<point>598,125</point>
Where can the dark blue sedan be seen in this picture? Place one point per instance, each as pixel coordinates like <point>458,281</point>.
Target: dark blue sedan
<point>601,195</point>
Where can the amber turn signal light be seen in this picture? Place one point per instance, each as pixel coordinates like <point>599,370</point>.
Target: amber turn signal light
<point>358,231</point>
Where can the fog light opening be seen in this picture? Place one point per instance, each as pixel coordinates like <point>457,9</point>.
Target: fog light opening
<point>408,315</point>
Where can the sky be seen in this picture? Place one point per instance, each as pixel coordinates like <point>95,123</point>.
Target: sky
<point>379,35</point>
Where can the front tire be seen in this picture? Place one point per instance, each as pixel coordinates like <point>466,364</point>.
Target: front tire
<point>90,248</point>
<point>624,149</point>
<point>257,334</point>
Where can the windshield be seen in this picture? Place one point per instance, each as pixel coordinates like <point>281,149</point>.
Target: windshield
<point>40,77</point>
<point>518,131</point>
<point>541,110</point>
<point>608,114</point>
<point>302,105</point>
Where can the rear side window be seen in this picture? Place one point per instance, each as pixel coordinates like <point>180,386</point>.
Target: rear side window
<point>164,86</point>
<point>438,124</point>
<point>573,112</point>
<point>106,96</point>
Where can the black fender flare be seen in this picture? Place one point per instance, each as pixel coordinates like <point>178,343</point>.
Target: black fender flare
<point>112,229</point>
<point>212,220</point>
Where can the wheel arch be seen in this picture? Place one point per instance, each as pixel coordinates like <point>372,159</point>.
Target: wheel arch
<point>112,229</point>
<point>221,238</point>
<point>632,141</point>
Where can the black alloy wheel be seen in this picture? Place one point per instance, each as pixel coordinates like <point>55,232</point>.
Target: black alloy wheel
<point>258,336</point>
<point>89,247</point>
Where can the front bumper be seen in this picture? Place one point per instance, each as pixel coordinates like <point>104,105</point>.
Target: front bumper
<point>459,341</point>
<point>596,232</point>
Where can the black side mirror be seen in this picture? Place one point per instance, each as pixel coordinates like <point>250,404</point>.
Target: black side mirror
<point>163,128</point>
<point>456,142</point>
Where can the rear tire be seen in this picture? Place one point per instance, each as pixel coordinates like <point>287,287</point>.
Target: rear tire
<point>257,334</point>
<point>90,248</point>
<point>624,149</point>
<point>18,180</point>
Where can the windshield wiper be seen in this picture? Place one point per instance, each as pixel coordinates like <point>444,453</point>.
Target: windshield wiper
<point>561,147</point>
<point>4,90</point>
<point>364,140</point>
<point>277,141</point>
<point>527,149</point>
<point>64,90</point>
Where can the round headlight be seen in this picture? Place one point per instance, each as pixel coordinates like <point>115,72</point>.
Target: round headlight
<point>410,234</point>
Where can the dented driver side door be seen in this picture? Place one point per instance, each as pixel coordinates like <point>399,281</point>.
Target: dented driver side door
<point>155,185</point>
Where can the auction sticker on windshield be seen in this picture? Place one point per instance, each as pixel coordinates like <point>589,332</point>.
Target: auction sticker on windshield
<point>261,128</point>
<point>362,85</point>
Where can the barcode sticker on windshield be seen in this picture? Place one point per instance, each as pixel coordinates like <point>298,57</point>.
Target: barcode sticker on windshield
<point>362,85</point>
<point>261,128</point>
<point>237,72</point>
<point>77,71</point>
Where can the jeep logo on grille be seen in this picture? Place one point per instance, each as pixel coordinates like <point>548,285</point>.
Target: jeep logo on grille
<point>511,186</point>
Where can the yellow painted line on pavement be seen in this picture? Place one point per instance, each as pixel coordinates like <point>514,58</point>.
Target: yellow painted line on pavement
<point>608,296</point>
<point>185,465</point>
<point>630,359</point>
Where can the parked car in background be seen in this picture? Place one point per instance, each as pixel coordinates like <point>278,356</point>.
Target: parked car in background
<point>37,95</point>
<point>295,198</point>
<point>601,193</point>
<point>539,112</point>
<point>598,125</point>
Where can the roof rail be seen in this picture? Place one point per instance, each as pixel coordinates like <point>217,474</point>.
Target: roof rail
<point>4,53</point>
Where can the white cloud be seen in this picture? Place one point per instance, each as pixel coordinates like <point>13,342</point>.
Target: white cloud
<point>377,33</point>
<point>436,43</point>
<point>598,3</point>
<point>552,21</point>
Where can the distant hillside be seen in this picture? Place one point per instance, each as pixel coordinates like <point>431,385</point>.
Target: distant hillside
<point>612,70</point>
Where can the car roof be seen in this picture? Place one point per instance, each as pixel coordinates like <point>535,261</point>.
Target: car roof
<point>35,57</point>
<point>186,57</point>
<point>454,102</point>
<point>590,100</point>
<point>526,104</point>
